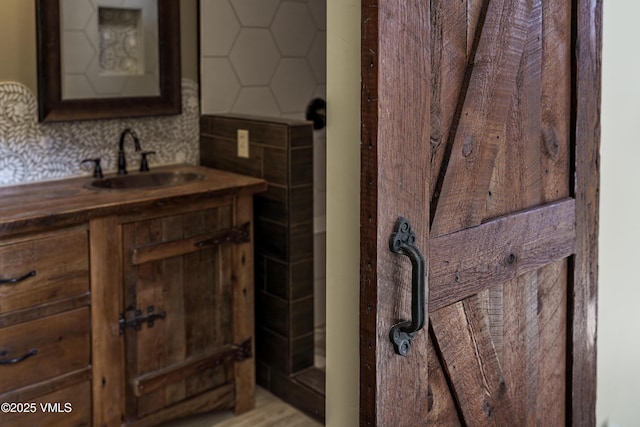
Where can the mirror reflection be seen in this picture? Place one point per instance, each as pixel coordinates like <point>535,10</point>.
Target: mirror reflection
<point>109,51</point>
<point>100,59</point>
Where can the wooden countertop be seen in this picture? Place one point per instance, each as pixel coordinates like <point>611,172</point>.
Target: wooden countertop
<point>29,207</point>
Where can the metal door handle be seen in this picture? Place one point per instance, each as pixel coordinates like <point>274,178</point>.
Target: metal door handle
<point>402,241</point>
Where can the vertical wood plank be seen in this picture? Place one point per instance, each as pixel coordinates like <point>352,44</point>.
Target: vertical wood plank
<point>369,66</point>
<point>583,302</point>
<point>224,308</point>
<point>516,180</point>
<point>395,171</point>
<point>492,302</point>
<point>555,141</point>
<point>201,287</point>
<point>470,358</point>
<point>552,353</point>
<point>481,131</point>
<point>130,294</point>
<point>450,52</point>
<point>106,304</point>
<point>149,287</point>
<point>174,323</point>
<point>516,185</point>
<point>556,174</point>
<point>440,403</point>
<point>474,15</point>
<point>243,307</point>
<point>520,356</point>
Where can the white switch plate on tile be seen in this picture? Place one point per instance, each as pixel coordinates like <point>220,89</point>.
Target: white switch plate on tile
<point>243,143</point>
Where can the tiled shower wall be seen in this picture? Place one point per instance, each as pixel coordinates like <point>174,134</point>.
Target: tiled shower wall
<point>32,151</point>
<point>268,58</point>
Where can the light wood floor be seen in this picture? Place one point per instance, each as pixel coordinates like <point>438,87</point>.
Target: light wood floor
<point>269,412</point>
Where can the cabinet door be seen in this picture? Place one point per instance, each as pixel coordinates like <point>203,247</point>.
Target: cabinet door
<point>177,272</point>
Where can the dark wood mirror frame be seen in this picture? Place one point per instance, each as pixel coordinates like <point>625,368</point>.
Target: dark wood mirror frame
<point>51,106</point>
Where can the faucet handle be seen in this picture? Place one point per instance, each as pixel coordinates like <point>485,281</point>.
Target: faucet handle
<point>144,164</point>
<point>97,170</point>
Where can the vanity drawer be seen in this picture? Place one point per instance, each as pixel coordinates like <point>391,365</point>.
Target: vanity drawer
<point>72,407</point>
<point>39,350</point>
<point>45,269</point>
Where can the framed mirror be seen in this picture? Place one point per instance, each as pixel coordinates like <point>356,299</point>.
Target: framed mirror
<point>104,59</point>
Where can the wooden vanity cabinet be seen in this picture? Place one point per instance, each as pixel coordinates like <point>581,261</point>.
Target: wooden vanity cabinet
<point>45,325</point>
<point>178,274</point>
<point>133,307</point>
<point>184,339</point>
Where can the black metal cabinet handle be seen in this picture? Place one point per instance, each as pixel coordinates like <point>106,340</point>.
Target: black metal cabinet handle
<point>17,279</point>
<point>31,352</point>
<point>403,242</point>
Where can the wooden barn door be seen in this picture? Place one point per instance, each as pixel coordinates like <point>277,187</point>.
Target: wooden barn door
<point>481,128</point>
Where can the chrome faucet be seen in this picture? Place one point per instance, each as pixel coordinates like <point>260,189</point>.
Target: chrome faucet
<point>122,162</point>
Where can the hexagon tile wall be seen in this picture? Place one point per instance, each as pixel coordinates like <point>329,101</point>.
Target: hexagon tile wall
<point>262,57</point>
<point>32,151</point>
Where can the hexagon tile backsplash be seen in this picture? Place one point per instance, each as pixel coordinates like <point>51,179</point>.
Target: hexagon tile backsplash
<point>32,151</point>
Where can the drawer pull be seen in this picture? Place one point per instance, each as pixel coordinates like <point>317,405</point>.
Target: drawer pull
<point>31,352</point>
<point>17,279</point>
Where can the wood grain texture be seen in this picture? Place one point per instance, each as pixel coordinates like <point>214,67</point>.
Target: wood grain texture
<point>552,351</point>
<point>556,100</point>
<point>556,176</point>
<point>521,347</point>
<point>221,397</point>
<point>61,343</point>
<point>516,180</point>
<point>32,207</point>
<point>481,131</point>
<point>31,392</point>
<point>498,251</point>
<point>242,297</point>
<point>470,359</point>
<point>584,293</point>
<point>501,147</point>
<point>93,348</point>
<point>441,403</point>
<point>78,395</point>
<point>173,374</point>
<point>106,301</point>
<point>450,51</point>
<point>175,347</point>
<point>395,138</point>
<point>148,290</point>
<point>59,262</point>
<point>177,358</point>
<point>176,247</point>
<point>529,171</point>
